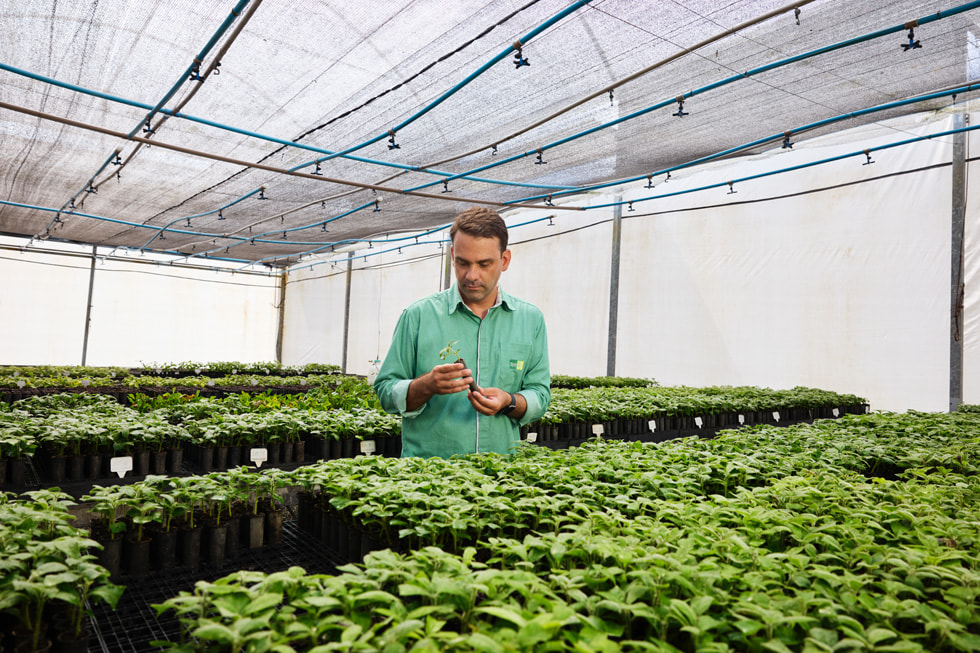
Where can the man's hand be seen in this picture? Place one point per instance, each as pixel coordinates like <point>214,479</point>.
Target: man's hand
<point>440,380</point>
<point>493,399</point>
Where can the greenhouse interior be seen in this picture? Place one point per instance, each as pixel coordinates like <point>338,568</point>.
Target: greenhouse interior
<point>725,253</point>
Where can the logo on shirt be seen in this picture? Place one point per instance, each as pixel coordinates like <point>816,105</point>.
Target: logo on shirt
<point>516,365</point>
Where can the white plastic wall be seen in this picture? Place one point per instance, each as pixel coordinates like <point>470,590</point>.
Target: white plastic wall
<point>141,314</point>
<point>836,276</point>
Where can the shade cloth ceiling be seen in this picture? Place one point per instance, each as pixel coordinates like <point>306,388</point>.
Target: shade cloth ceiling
<point>258,131</point>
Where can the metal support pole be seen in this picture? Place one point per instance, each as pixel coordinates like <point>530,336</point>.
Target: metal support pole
<point>447,270</point>
<point>614,287</point>
<point>956,260</point>
<point>88,306</point>
<point>350,264</point>
<point>282,317</point>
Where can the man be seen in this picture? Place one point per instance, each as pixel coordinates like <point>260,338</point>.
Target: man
<point>501,338</point>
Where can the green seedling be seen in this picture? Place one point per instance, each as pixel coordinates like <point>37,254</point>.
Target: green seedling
<point>452,350</point>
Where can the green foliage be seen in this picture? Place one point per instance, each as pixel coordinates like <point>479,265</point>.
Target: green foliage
<point>582,382</point>
<point>47,562</point>
<point>855,534</point>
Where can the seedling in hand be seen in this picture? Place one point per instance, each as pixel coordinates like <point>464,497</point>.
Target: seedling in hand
<point>452,350</point>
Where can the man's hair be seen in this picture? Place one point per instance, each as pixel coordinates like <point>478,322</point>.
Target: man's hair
<point>480,222</point>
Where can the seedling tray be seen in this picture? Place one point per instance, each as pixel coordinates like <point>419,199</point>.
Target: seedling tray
<point>134,624</point>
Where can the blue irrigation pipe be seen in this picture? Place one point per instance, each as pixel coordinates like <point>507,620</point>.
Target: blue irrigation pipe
<point>229,19</point>
<point>394,240</point>
<point>772,138</point>
<point>865,152</point>
<point>244,132</point>
<point>575,6</point>
<point>167,226</point>
<point>728,80</point>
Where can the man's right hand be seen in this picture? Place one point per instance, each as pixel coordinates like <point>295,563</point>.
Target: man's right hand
<point>440,380</point>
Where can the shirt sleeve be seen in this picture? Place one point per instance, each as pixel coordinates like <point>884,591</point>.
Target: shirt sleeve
<point>536,385</point>
<point>399,369</point>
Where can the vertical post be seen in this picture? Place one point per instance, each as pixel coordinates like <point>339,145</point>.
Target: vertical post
<point>282,316</point>
<point>447,269</point>
<point>956,260</point>
<point>617,232</point>
<point>88,306</point>
<point>350,263</point>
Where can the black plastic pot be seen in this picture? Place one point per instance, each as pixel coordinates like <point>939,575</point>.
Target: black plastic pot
<point>215,538</point>
<point>273,527</point>
<point>253,535</point>
<point>189,547</point>
<point>164,550</point>
<point>110,557</point>
<point>158,462</point>
<point>136,557</point>
<point>175,458</point>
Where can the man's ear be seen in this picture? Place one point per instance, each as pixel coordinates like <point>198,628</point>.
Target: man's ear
<point>505,257</point>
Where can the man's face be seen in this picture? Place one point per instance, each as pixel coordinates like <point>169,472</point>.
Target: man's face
<point>478,263</point>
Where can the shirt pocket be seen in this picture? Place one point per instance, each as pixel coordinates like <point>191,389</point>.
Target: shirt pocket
<point>512,365</point>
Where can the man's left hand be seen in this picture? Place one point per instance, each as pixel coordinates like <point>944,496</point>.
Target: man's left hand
<point>490,402</point>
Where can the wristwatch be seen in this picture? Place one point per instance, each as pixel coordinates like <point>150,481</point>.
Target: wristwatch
<point>507,410</point>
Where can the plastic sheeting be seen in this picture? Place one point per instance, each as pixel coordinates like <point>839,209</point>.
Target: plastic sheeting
<point>142,313</point>
<point>834,276</point>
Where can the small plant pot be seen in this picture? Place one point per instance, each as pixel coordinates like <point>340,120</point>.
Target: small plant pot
<point>273,450</point>
<point>215,538</point>
<point>164,550</point>
<point>336,450</point>
<point>348,449</point>
<point>158,462</point>
<point>17,473</point>
<point>189,548</point>
<point>75,468</point>
<point>205,459</point>
<point>141,462</point>
<point>234,457</point>
<point>57,468</point>
<point>175,458</point>
<point>221,458</point>
<point>110,557</point>
<point>68,643</point>
<point>93,466</point>
<point>136,557</point>
<point>299,451</point>
<point>233,537</point>
<point>273,528</point>
<point>26,645</point>
<point>3,471</point>
<point>254,534</point>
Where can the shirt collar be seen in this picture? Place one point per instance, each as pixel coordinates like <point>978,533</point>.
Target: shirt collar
<point>456,300</point>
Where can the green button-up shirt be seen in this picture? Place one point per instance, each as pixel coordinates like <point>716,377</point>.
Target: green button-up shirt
<point>508,349</point>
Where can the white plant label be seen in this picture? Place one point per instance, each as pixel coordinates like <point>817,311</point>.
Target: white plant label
<point>157,370</point>
<point>836,413</point>
<point>254,381</point>
<point>653,425</point>
<point>258,455</point>
<point>21,383</point>
<point>197,371</point>
<point>210,383</point>
<point>85,383</point>
<point>597,430</point>
<point>532,437</point>
<point>120,465</point>
<point>302,381</point>
<point>775,415</point>
<point>741,419</point>
<point>698,422</point>
<point>368,447</point>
